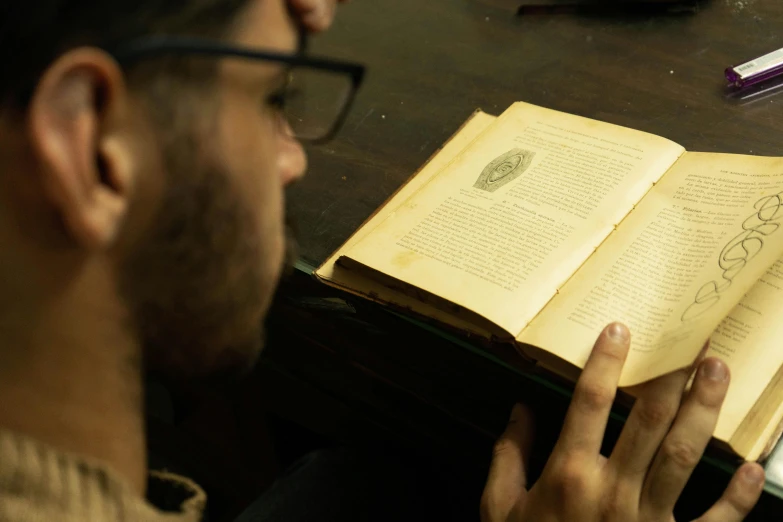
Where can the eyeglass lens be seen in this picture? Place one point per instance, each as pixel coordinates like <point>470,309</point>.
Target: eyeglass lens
<point>315,100</point>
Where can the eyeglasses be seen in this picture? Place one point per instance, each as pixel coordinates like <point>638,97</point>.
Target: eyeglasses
<point>318,93</point>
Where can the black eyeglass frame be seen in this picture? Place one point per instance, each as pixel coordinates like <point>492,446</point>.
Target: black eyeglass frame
<point>160,45</point>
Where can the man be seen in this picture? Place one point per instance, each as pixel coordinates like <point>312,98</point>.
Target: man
<point>141,218</point>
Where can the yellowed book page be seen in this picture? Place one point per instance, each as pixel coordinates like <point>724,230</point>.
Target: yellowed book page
<point>334,274</point>
<point>477,124</point>
<point>675,267</point>
<point>750,340</point>
<point>757,435</point>
<point>768,437</point>
<point>517,212</point>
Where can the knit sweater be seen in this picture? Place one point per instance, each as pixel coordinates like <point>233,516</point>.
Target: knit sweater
<point>40,484</point>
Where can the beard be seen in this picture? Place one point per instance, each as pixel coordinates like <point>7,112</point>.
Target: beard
<point>196,285</point>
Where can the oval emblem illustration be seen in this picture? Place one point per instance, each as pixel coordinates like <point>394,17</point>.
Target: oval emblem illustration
<point>504,169</point>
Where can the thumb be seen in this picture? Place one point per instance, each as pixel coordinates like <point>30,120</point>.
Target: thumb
<point>507,479</point>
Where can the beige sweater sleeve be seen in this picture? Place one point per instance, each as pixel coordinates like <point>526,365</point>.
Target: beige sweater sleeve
<point>39,484</point>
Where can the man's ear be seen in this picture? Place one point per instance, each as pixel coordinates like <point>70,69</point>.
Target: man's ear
<point>76,118</point>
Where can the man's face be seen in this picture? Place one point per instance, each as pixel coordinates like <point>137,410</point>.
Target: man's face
<point>200,281</point>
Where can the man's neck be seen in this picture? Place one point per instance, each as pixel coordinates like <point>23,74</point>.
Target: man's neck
<point>70,377</point>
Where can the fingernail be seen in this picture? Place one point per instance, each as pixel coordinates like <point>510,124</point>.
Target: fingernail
<point>753,475</point>
<point>714,370</point>
<point>618,332</point>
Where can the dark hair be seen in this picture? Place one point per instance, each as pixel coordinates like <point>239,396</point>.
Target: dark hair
<point>33,33</point>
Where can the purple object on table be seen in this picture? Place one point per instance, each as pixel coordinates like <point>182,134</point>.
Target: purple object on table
<point>756,71</point>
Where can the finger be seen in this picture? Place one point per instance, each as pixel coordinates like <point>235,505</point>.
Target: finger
<point>683,447</point>
<point>585,422</point>
<point>739,498</point>
<point>507,474</point>
<point>316,15</point>
<point>650,419</point>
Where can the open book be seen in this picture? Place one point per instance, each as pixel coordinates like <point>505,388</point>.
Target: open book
<point>541,227</point>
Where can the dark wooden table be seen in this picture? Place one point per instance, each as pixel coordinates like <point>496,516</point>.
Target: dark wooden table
<point>431,63</point>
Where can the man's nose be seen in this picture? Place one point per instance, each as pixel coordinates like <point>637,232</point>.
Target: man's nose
<point>292,162</point>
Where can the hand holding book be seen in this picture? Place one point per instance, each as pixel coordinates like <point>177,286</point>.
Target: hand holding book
<point>649,466</point>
